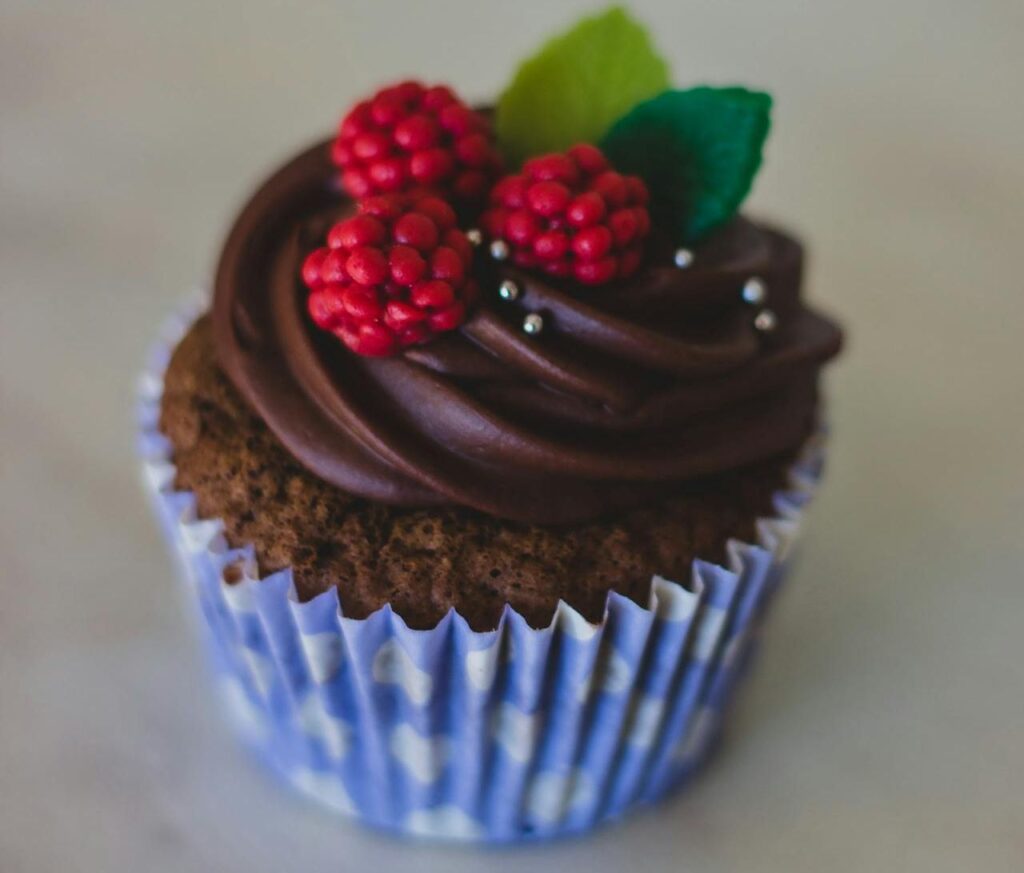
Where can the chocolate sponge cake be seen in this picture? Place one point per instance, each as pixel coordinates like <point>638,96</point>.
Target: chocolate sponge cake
<point>424,561</point>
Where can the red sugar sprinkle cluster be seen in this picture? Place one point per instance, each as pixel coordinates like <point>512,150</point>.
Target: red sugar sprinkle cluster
<point>410,136</point>
<point>397,273</point>
<point>392,276</point>
<point>571,215</point>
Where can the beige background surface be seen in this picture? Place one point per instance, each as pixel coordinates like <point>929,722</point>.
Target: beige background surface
<point>884,729</point>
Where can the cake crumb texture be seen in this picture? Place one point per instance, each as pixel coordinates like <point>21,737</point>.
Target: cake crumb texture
<point>425,561</point>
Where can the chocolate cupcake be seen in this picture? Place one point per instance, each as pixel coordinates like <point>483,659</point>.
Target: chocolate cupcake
<point>495,439</point>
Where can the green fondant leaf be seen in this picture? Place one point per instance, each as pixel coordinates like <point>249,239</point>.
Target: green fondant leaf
<point>577,85</point>
<point>698,151</point>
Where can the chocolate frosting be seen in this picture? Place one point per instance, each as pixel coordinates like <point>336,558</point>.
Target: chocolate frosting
<point>630,390</point>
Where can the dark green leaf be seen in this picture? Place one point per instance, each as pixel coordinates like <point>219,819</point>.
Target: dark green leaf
<point>698,151</point>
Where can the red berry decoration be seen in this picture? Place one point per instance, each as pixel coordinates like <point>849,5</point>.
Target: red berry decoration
<point>394,275</point>
<point>410,137</point>
<point>571,215</point>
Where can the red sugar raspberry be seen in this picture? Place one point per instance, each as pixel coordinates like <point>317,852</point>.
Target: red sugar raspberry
<point>571,215</point>
<point>392,276</point>
<point>410,136</point>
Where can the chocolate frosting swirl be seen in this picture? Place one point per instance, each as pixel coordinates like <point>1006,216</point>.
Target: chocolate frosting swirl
<point>631,389</point>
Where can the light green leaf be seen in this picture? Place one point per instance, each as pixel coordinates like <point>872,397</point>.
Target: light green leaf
<point>698,151</point>
<point>577,85</point>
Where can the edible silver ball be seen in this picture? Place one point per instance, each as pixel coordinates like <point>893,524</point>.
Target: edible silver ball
<point>499,250</point>
<point>474,236</point>
<point>533,324</point>
<point>766,321</point>
<point>755,292</point>
<point>683,258</point>
<point>508,290</point>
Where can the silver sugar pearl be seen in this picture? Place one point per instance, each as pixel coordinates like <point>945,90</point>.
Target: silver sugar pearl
<point>682,258</point>
<point>474,236</point>
<point>754,292</point>
<point>766,321</point>
<point>499,250</point>
<point>533,324</point>
<point>508,290</point>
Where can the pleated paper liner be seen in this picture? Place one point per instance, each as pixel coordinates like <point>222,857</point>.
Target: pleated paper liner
<point>499,736</point>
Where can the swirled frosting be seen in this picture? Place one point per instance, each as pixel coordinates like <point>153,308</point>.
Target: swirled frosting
<point>630,390</point>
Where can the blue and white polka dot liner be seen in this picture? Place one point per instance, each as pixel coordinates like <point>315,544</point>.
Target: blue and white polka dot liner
<point>512,734</point>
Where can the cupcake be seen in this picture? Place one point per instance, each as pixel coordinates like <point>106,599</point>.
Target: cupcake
<point>485,458</point>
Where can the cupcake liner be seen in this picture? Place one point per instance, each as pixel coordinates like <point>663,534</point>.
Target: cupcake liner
<point>450,733</point>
